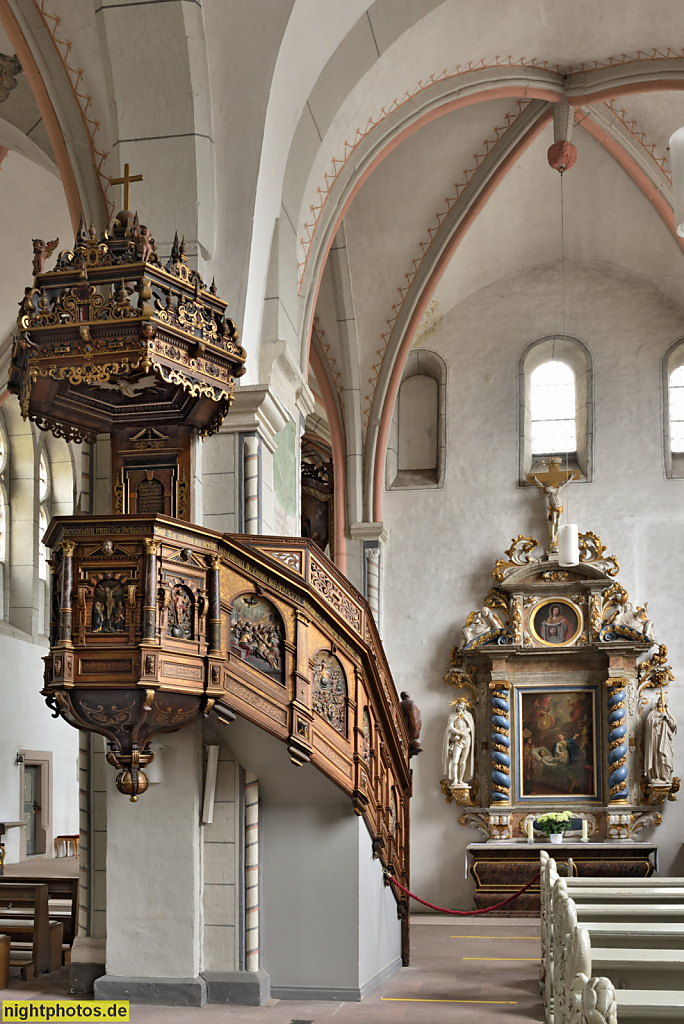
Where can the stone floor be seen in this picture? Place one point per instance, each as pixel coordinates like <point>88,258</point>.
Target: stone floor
<point>472,970</point>
<point>44,867</point>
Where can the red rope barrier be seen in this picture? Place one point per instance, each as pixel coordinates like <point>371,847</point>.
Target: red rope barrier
<point>463,913</point>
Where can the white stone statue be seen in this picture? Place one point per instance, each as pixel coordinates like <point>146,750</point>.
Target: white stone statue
<point>660,729</point>
<point>481,622</point>
<point>458,760</point>
<point>636,619</point>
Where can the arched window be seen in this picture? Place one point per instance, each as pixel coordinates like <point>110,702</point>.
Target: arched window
<point>556,406</point>
<point>676,397</point>
<point>552,409</point>
<point>416,445</point>
<point>673,410</point>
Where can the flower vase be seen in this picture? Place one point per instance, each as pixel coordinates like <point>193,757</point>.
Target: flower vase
<point>556,837</point>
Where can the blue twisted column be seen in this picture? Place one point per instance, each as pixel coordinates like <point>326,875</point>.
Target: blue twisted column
<point>500,743</point>
<point>617,744</point>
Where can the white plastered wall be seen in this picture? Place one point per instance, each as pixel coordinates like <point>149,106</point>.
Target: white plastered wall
<point>27,724</point>
<point>153,870</point>
<point>627,326</point>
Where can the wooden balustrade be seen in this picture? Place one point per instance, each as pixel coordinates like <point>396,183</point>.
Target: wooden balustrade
<point>157,622</point>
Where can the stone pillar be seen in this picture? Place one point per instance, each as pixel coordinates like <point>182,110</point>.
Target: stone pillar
<point>373,537</point>
<point>251,872</point>
<point>153,884</point>
<point>88,951</point>
<point>251,483</point>
<point>372,556</point>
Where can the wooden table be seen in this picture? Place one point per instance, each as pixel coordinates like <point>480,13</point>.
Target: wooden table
<point>501,868</point>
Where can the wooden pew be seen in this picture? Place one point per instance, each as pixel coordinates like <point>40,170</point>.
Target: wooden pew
<point>644,973</point>
<point>636,941</point>
<point>633,935</point>
<point>36,944</point>
<point>617,904</point>
<point>4,960</point>
<point>602,1003</point>
<point>62,890</point>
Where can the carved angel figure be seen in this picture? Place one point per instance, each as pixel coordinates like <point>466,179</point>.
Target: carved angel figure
<point>482,621</point>
<point>142,237</point>
<point>129,388</point>
<point>660,729</point>
<point>636,619</point>
<point>41,251</point>
<point>458,755</point>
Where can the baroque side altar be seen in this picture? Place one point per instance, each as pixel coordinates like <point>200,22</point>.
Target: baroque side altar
<point>560,702</point>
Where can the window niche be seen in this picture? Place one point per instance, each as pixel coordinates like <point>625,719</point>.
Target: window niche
<point>550,416</point>
<point>416,446</point>
<point>673,410</point>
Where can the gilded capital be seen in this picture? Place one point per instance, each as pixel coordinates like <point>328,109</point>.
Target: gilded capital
<point>69,547</point>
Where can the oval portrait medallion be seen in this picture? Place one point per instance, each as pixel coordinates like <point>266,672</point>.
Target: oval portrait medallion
<point>556,622</point>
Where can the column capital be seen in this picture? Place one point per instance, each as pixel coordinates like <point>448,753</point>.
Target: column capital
<point>258,410</point>
<point>369,531</point>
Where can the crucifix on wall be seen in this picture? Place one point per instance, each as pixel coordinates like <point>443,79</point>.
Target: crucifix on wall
<point>551,483</point>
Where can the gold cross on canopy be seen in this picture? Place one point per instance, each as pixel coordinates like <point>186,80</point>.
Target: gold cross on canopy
<point>551,483</point>
<point>126,182</point>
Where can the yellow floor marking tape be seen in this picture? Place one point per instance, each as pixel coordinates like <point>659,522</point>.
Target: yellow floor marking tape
<point>532,938</point>
<point>533,959</point>
<point>496,1002</point>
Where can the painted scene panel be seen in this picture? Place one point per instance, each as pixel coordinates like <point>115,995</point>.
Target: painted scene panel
<point>557,733</point>
<point>257,634</point>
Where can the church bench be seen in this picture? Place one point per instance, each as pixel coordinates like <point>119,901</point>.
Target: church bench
<point>567,952</point>
<point>598,996</point>
<point>635,935</point>
<point>575,961</point>
<point>4,960</point>
<point>631,912</point>
<point>640,968</point>
<point>35,943</point>
<point>62,900</point>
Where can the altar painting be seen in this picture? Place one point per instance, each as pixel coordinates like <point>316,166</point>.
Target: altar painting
<point>557,743</point>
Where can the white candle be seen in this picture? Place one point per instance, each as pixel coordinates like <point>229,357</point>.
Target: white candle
<point>585,829</point>
<point>530,831</point>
